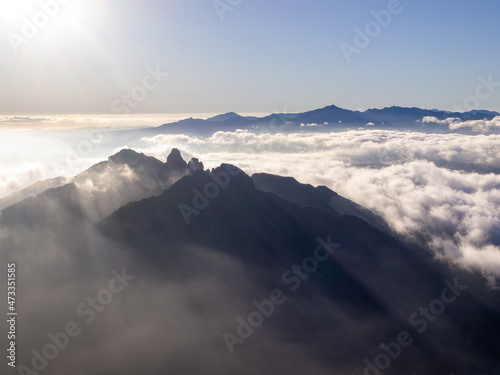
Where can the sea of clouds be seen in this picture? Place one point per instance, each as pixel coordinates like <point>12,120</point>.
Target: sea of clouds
<point>442,187</point>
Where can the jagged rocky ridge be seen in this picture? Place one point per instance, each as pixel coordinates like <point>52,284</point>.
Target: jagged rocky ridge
<point>168,218</point>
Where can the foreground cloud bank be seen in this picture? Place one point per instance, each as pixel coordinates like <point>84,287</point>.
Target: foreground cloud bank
<point>479,126</point>
<point>444,188</point>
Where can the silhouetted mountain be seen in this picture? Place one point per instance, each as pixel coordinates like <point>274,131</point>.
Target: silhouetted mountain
<point>51,208</point>
<point>32,190</point>
<point>401,116</point>
<point>321,197</point>
<point>215,245</point>
<point>226,116</point>
<point>125,177</point>
<point>330,117</point>
<point>191,126</point>
<point>483,112</point>
<point>371,284</point>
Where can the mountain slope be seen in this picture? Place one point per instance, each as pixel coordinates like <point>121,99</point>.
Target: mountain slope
<point>32,190</point>
<point>333,115</point>
<point>371,277</point>
<point>321,197</point>
<point>207,256</point>
<point>126,176</point>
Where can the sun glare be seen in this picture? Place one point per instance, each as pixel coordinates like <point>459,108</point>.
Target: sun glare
<point>12,12</point>
<point>51,22</point>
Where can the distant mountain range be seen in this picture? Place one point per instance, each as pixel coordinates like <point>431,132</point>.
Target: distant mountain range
<point>370,288</point>
<point>328,118</point>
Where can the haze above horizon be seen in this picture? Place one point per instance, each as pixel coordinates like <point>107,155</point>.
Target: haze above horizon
<point>124,57</point>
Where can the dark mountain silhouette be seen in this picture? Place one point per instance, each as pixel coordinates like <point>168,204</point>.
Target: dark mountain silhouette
<point>398,116</point>
<point>321,197</point>
<point>227,116</point>
<point>32,190</point>
<point>95,193</point>
<point>271,223</point>
<point>330,117</point>
<point>199,241</point>
<point>226,122</point>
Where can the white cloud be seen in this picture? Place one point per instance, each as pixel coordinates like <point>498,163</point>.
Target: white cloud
<point>15,176</point>
<point>444,185</point>
<point>399,175</point>
<point>23,119</point>
<point>435,120</point>
<point>375,147</point>
<point>481,126</point>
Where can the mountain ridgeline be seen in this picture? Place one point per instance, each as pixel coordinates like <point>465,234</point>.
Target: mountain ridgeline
<point>213,248</point>
<point>327,118</point>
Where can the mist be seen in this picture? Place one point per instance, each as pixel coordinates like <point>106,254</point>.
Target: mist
<point>444,188</point>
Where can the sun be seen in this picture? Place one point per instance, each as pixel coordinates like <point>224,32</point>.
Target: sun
<point>13,8</point>
<point>51,22</point>
<point>26,17</point>
<point>12,12</point>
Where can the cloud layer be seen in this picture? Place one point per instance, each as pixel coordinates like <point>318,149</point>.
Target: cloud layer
<point>479,126</point>
<point>442,187</point>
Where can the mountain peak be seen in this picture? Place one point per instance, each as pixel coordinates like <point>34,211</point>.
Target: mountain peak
<point>224,117</point>
<point>331,106</point>
<point>126,156</point>
<point>194,165</point>
<point>175,160</point>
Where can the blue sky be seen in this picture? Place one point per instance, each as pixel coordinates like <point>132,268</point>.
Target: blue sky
<point>263,56</point>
